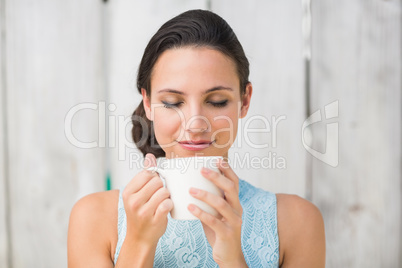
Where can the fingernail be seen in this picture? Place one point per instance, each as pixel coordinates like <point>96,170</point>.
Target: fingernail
<point>205,170</point>
<point>146,163</point>
<point>149,160</point>
<point>224,163</point>
<point>191,207</point>
<point>194,191</point>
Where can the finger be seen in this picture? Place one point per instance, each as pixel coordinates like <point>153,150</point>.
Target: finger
<point>216,202</point>
<point>150,188</point>
<point>138,182</point>
<point>155,200</point>
<point>149,161</point>
<point>163,209</point>
<point>138,199</point>
<point>228,172</point>
<point>142,177</point>
<point>228,186</point>
<point>212,222</point>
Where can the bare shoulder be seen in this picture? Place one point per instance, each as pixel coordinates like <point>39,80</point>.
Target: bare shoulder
<point>301,232</point>
<point>92,230</point>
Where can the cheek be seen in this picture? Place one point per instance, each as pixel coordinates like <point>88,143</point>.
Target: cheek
<point>166,123</point>
<point>225,125</point>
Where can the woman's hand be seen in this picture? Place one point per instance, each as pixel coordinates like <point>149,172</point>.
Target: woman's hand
<point>224,234</point>
<point>147,204</point>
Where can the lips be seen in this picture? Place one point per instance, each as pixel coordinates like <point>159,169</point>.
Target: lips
<point>195,142</point>
<point>195,145</point>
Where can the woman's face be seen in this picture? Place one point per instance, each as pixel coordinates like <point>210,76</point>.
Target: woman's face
<point>195,102</point>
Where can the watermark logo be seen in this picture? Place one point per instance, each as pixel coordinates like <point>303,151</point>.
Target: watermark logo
<point>331,155</point>
<point>247,161</point>
<point>116,125</point>
<point>251,137</point>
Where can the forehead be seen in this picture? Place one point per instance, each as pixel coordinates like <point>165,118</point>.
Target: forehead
<point>194,68</point>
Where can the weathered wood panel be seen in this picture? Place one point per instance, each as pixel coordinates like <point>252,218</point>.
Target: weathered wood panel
<point>54,62</point>
<point>3,154</point>
<point>356,60</point>
<point>130,26</point>
<point>270,32</point>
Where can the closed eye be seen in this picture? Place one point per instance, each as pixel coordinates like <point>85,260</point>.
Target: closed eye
<point>219,103</point>
<point>177,104</point>
<point>171,105</point>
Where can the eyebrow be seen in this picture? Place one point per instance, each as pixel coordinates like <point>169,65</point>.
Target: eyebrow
<point>207,91</point>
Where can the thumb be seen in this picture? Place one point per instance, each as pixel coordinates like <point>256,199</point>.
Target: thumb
<point>149,161</point>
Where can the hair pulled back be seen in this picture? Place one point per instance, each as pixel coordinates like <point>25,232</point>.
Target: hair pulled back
<point>198,28</point>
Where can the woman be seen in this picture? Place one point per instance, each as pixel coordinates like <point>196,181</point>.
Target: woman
<point>193,78</point>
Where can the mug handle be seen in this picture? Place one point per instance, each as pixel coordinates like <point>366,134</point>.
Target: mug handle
<point>159,171</point>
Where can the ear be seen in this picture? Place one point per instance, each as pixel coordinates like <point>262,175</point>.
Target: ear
<point>147,103</point>
<point>245,100</point>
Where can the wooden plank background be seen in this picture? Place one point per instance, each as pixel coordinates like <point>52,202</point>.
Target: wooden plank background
<point>54,62</point>
<point>59,54</point>
<point>4,239</point>
<point>356,59</point>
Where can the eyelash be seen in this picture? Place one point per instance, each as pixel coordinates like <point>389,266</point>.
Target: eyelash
<point>219,104</point>
<point>177,104</point>
<point>171,105</point>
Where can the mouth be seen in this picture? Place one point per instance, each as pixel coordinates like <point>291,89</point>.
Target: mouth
<point>193,145</point>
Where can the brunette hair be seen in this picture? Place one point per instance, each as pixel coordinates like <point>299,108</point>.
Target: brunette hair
<point>198,28</point>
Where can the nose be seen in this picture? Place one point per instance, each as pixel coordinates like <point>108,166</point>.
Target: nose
<point>197,122</point>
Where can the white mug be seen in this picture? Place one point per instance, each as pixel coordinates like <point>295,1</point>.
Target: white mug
<point>179,175</point>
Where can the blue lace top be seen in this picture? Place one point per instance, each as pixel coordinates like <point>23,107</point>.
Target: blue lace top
<point>184,243</point>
